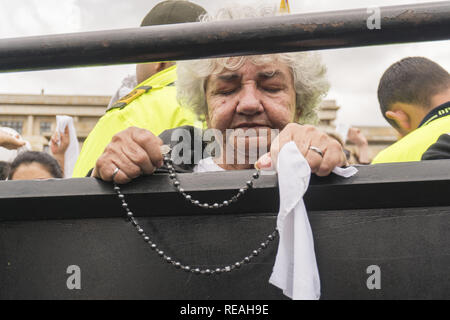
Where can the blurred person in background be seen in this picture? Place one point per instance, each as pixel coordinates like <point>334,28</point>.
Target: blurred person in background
<point>34,165</point>
<point>64,144</point>
<point>414,97</point>
<point>4,169</point>
<point>10,141</point>
<point>59,142</point>
<point>152,105</point>
<point>355,144</point>
<point>359,147</point>
<point>166,12</point>
<point>11,144</point>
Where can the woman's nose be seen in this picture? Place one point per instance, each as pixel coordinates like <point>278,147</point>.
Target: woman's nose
<point>249,102</point>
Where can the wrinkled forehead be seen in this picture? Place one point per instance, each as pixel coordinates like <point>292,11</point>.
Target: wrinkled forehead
<point>249,66</point>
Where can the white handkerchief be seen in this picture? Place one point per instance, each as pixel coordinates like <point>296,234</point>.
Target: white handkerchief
<point>345,172</point>
<point>72,152</point>
<point>295,270</point>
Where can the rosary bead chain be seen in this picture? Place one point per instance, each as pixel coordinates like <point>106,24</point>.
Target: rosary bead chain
<point>176,183</point>
<point>178,264</point>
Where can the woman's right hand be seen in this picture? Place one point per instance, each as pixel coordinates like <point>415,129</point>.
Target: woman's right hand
<point>134,152</point>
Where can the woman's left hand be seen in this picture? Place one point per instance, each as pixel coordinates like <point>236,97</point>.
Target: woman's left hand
<point>322,152</point>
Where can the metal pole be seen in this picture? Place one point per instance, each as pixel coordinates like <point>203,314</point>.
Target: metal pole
<point>296,32</point>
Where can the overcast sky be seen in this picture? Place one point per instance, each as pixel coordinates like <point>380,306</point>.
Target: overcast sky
<point>353,73</point>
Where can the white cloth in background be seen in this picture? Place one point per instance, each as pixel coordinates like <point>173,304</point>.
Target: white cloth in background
<point>72,152</point>
<point>9,155</point>
<point>295,270</point>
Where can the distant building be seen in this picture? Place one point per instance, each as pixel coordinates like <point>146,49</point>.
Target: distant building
<point>34,117</point>
<point>378,137</point>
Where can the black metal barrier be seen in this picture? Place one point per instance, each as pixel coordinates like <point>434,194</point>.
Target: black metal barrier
<point>296,32</point>
<point>394,216</point>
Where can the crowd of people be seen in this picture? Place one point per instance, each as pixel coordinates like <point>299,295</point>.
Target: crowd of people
<point>30,165</point>
<point>263,99</point>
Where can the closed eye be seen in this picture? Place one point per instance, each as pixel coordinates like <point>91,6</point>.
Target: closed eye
<point>227,92</point>
<point>272,89</point>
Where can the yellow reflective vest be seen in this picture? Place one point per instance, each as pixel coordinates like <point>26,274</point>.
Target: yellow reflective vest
<point>152,105</point>
<point>413,146</point>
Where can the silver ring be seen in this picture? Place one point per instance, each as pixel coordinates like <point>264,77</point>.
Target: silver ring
<point>316,150</point>
<point>114,173</point>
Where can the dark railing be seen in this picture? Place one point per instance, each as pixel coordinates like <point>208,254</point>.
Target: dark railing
<point>395,216</point>
<point>296,32</point>
<point>422,184</point>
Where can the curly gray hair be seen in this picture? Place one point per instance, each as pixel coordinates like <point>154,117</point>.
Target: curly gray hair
<point>307,69</point>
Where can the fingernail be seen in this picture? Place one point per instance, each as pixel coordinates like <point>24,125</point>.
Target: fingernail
<point>264,162</point>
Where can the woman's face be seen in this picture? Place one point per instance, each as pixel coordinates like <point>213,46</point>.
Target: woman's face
<point>252,97</point>
<point>31,171</point>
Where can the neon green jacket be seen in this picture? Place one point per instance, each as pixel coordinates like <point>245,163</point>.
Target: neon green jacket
<point>413,146</point>
<point>152,105</point>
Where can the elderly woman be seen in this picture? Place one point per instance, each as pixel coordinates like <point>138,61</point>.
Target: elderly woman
<point>265,94</point>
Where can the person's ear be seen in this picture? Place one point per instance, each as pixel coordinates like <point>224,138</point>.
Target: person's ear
<point>401,118</point>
